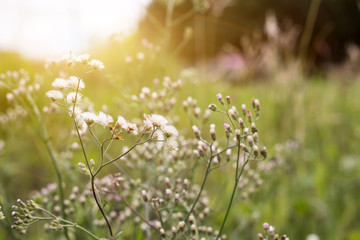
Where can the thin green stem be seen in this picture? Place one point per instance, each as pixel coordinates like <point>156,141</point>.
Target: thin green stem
<point>75,225</point>
<point>45,138</point>
<point>232,198</point>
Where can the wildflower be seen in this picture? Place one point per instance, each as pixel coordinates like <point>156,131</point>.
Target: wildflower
<point>266,226</point>
<point>159,137</point>
<point>220,98</point>
<point>263,152</point>
<point>212,132</point>
<point>157,120</point>
<point>172,145</point>
<point>89,117</point>
<point>96,64</point>
<point>73,97</point>
<point>213,107</point>
<point>170,131</point>
<point>104,119</point>
<point>121,123</point>
<point>73,83</point>
<point>196,131</point>
<point>132,128</point>
<point>54,95</point>
<point>70,59</point>
<point>83,58</point>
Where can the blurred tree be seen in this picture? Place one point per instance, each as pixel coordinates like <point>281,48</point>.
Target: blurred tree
<point>337,22</point>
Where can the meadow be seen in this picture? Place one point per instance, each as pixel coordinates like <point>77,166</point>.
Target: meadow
<point>306,183</point>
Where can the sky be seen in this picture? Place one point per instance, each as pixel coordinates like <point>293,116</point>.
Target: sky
<point>49,28</point>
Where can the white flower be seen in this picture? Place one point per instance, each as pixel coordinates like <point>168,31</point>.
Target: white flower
<point>170,131</point>
<point>73,97</point>
<point>69,58</point>
<point>89,117</point>
<point>54,95</point>
<point>148,125</point>
<point>73,83</point>
<point>132,128</point>
<point>159,137</point>
<point>96,64</point>
<point>122,123</point>
<point>145,90</point>
<point>172,145</point>
<point>157,120</point>
<point>59,84</point>
<point>104,119</point>
<point>82,126</point>
<point>75,112</point>
<point>83,58</point>
<point>312,237</point>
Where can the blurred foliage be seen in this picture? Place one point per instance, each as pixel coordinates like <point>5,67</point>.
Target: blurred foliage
<point>227,21</point>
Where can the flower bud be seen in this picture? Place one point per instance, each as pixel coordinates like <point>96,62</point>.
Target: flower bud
<point>191,219</point>
<point>144,196</point>
<point>228,100</point>
<point>244,148</point>
<point>193,228</point>
<point>228,154</point>
<point>256,150</point>
<point>266,226</point>
<point>181,225</point>
<point>220,98</point>
<point>243,109</point>
<point>260,236</point>
<point>253,127</point>
<point>213,107</point>
<point>168,193</point>
<point>227,127</point>
<point>263,152</point>
<point>250,141</point>
<point>196,131</point>
<point>162,232</point>
<point>241,123</point>
<point>249,116</point>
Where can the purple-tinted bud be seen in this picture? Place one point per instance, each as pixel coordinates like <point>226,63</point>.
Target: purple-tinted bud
<point>213,107</point>
<point>220,98</point>
<point>260,236</point>
<point>227,127</point>
<point>266,226</point>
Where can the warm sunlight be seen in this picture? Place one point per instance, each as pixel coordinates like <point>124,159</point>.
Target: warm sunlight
<point>41,28</point>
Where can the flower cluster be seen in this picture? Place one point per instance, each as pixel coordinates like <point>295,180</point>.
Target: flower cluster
<point>269,233</point>
<point>160,100</point>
